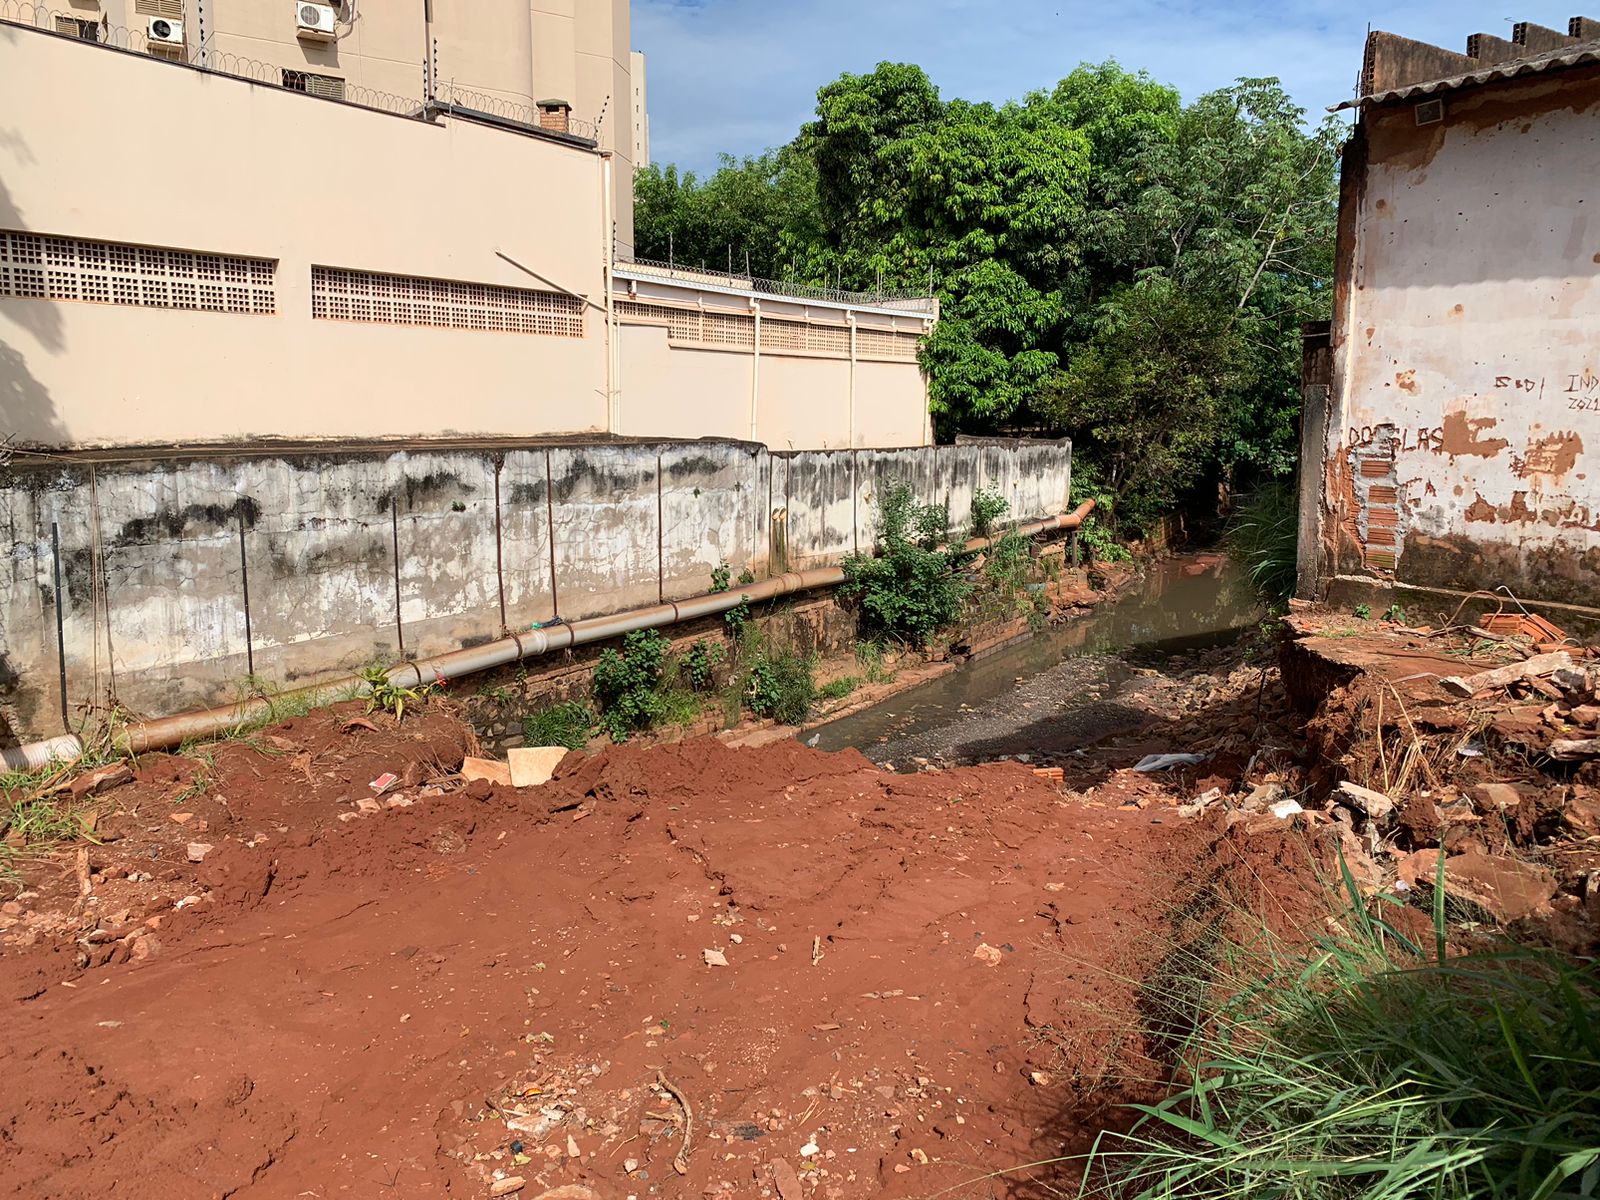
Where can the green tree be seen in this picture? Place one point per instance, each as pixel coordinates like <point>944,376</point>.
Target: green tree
<point>1110,263</point>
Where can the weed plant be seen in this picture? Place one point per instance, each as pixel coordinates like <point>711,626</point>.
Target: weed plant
<point>1263,536</point>
<point>910,589</point>
<point>570,724</point>
<point>1368,1067</point>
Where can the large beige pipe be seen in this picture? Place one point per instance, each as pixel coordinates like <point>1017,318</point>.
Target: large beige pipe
<point>165,732</point>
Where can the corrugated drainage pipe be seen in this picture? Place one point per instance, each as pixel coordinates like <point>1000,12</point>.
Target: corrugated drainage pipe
<point>164,732</point>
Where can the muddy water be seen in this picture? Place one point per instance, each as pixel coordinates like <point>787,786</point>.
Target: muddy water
<point>1057,690</point>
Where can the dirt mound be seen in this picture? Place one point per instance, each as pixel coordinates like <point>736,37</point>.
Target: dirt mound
<point>409,1000</point>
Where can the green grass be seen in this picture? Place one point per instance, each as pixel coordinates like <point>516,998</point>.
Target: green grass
<point>568,724</point>
<point>870,658</point>
<point>782,685</point>
<point>1263,537</point>
<point>32,822</point>
<point>1366,1067</point>
<point>838,689</point>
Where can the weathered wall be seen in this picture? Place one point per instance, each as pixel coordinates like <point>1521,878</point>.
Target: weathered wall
<point>1465,415</point>
<point>180,577</point>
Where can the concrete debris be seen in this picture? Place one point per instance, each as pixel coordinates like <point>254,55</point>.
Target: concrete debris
<point>1373,805</point>
<point>988,955</point>
<point>1504,889</point>
<point>507,1186</point>
<point>1498,677</point>
<point>1262,797</point>
<point>1284,809</point>
<point>532,766</point>
<point>197,851</point>
<point>103,780</point>
<point>715,958</point>
<point>488,769</point>
<point>1574,749</point>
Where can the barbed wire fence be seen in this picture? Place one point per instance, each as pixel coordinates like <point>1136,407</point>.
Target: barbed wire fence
<point>499,106</point>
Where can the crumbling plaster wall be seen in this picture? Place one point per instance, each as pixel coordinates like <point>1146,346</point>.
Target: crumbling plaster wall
<point>181,577</point>
<point>1465,421</point>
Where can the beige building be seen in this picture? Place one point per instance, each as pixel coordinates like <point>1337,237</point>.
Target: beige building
<point>279,266</point>
<point>641,112</point>
<point>561,63</point>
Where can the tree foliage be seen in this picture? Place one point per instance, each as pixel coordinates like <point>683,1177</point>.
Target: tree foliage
<point>908,590</point>
<point>1111,263</point>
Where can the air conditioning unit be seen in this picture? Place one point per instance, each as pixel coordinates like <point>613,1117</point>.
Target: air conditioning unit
<point>315,21</point>
<point>165,33</point>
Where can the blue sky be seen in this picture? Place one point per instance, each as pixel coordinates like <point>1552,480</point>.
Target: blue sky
<point>741,75</point>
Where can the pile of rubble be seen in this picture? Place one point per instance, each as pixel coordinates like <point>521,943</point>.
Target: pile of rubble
<point>1467,758</point>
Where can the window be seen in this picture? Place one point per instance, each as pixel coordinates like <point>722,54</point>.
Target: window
<point>339,295</point>
<point>89,31</point>
<point>171,9</point>
<point>38,267</point>
<point>330,87</point>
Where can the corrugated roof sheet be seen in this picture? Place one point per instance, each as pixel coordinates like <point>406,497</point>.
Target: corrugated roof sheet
<point>1569,56</point>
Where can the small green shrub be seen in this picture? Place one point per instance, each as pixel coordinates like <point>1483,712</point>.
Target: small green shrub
<point>1363,612</point>
<point>1396,615</point>
<point>910,589</point>
<point>988,506</point>
<point>701,662</point>
<point>1038,610</point>
<point>570,724</point>
<point>389,696</point>
<point>746,577</point>
<point>870,658</point>
<point>782,687</point>
<point>1008,563</point>
<point>838,689</point>
<point>1100,542</point>
<point>737,618</point>
<point>1263,538</point>
<point>625,684</point>
<point>721,576</point>
<point>681,703</point>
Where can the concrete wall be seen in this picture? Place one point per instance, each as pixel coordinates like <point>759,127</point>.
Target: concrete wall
<point>700,352</point>
<point>179,577</point>
<point>244,169</point>
<point>1464,416</point>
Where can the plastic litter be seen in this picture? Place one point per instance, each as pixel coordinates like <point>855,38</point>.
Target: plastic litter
<point>1165,762</point>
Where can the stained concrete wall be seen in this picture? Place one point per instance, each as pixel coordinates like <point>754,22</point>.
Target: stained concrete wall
<point>178,578</point>
<point>1465,410</point>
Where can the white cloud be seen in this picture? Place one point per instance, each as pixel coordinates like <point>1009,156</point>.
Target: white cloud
<point>738,76</point>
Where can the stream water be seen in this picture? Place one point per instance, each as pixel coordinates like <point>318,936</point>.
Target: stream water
<point>1055,690</point>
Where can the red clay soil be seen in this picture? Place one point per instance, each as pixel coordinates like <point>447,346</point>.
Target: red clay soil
<point>406,1002</point>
